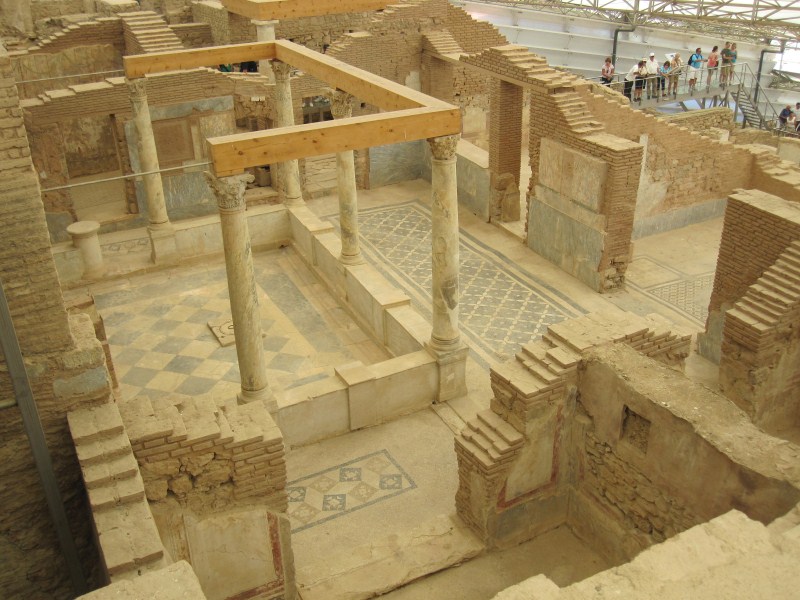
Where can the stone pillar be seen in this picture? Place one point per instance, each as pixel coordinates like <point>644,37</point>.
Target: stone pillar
<point>342,108</point>
<point>289,171</point>
<point>265,32</point>
<point>84,238</point>
<point>162,234</point>
<point>445,342</point>
<point>242,288</point>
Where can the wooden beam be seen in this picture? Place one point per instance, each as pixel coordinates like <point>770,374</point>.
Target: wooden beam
<point>231,154</point>
<point>365,86</point>
<point>267,10</point>
<point>140,65</point>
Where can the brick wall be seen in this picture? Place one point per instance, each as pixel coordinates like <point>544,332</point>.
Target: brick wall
<point>691,168</point>
<point>104,30</point>
<point>66,369</point>
<point>207,455</point>
<point>472,36</point>
<point>761,347</point>
<point>758,227</point>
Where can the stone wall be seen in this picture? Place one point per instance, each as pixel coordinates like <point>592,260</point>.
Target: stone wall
<point>702,120</point>
<point>757,229</point>
<point>65,366</point>
<point>193,35</point>
<point>516,461</point>
<point>45,9</point>
<point>61,69</point>
<point>683,170</point>
<point>660,453</point>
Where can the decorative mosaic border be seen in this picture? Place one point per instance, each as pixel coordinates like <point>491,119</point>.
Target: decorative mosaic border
<point>393,483</point>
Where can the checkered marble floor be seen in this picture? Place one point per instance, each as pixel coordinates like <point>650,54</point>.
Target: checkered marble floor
<point>160,340</point>
<point>502,306</point>
<point>340,490</point>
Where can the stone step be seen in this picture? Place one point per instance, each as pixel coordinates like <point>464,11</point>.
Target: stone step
<point>128,538</point>
<point>98,423</point>
<point>94,451</point>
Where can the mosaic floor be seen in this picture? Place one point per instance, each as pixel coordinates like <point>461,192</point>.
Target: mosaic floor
<point>686,292</point>
<point>502,306</point>
<point>160,340</point>
<point>340,490</point>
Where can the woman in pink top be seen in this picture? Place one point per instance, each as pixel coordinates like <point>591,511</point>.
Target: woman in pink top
<point>713,62</point>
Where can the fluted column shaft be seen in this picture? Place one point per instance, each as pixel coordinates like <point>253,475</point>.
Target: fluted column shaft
<point>342,108</point>
<point>444,240</point>
<point>289,171</point>
<point>242,290</point>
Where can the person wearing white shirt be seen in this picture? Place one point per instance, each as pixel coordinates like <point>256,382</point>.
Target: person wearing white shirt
<point>652,76</point>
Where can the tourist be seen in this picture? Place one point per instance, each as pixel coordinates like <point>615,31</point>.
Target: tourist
<point>226,68</point>
<point>713,61</point>
<point>696,61</point>
<point>726,57</point>
<point>607,72</point>
<point>664,70</point>
<point>783,117</point>
<point>676,66</point>
<point>641,78</point>
<point>652,76</point>
<point>734,56</point>
<point>630,80</point>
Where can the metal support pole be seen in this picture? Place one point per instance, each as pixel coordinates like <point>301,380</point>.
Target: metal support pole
<point>41,455</point>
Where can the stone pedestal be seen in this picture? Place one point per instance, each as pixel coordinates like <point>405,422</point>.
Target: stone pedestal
<point>242,288</point>
<point>162,234</point>
<point>445,343</point>
<point>265,32</point>
<point>84,238</point>
<point>289,171</point>
<point>342,108</point>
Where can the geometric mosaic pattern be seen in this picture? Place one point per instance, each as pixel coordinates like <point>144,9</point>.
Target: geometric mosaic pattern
<point>690,296</point>
<point>340,490</point>
<point>160,339</point>
<point>499,310</point>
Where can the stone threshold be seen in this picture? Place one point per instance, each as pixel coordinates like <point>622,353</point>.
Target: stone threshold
<point>393,561</point>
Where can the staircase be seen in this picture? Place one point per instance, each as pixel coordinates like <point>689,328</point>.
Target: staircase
<point>126,532</point>
<point>752,116</point>
<point>146,31</point>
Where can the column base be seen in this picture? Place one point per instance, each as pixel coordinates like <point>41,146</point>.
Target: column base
<point>294,202</point>
<point>264,396</point>
<point>452,369</point>
<point>163,247</point>
<point>352,259</point>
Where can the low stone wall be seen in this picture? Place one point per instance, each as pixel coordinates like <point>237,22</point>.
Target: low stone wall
<point>202,236</point>
<point>659,453</point>
<point>702,120</point>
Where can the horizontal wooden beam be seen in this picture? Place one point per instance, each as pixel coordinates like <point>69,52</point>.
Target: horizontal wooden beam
<point>267,10</point>
<point>140,65</point>
<point>232,154</point>
<point>365,86</point>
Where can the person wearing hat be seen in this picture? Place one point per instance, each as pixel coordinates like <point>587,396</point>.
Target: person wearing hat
<point>652,76</point>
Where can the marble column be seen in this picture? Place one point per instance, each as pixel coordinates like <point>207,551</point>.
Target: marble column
<point>342,108</point>
<point>85,239</point>
<point>160,230</point>
<point>242,290</point>
<point>445,342</point>
<point>288,171</point>
<point>265,32</point>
